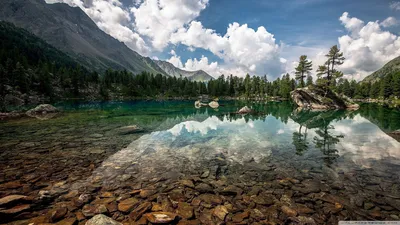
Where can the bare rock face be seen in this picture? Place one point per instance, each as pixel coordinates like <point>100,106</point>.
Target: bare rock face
<point>42,110</point>
<point>245,110</point>
<point>314,97</point>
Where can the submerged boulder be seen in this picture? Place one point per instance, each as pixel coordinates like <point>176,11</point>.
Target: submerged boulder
<point>42,109</point>
<point>245,110</point>
<point>314,97</point>
<point>43,112</point>
<point>131,129</point>
<point>101,219</point>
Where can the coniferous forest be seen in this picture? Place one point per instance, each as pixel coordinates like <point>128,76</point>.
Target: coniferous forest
<point>31,67</point>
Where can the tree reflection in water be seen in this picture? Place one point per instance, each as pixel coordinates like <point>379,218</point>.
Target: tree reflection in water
<point>325,139</point>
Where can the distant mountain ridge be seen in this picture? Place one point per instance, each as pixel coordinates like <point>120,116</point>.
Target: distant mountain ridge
<point>71,30</point>
<point>389,68</point>
<point>170,69</point>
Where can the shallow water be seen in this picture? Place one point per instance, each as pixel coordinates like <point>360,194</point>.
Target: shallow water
<point>327,166</point>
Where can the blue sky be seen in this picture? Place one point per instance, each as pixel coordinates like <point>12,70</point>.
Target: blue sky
<point>308,23</point>
<point>265,37</point>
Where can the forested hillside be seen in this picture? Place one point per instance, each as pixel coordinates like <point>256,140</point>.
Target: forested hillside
<point>70,30</point>
<point>386,87</point>
<point>31,69</point>
<point>391,67</point>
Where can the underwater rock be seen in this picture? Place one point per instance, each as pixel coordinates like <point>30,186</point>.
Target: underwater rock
<point>231,190</point>
<point>237,218</point>
<point>41,109</point>
<point>203,188</point>
<point>67,221</point>
<point>160,217</point>
<point>185,210</point>
<point>220,212</point>
<point>289,211</point>
<point>15,209</point>
<point>128,204</point>
<point>205,174</point>
<point>245,110</point>
<point>187,183</point>
<point>57,214</point>
<point>140,210</point>
<point>129,129</point>
<point>102,220</point>
<point>11,199</point>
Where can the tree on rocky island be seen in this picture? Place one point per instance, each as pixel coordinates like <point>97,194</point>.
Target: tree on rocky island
<point>327,73</point>
<point>303,69</point>
<point>309,80</point>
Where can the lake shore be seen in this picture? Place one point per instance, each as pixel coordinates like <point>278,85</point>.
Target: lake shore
<point>92,160</point>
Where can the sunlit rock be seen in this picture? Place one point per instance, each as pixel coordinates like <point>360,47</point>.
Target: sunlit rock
<point>213,104</point>
<point>314,97</point>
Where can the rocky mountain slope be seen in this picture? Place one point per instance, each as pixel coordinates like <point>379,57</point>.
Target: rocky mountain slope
<point>170,69</point>
<point>71,30</point>
<point>388,68</point>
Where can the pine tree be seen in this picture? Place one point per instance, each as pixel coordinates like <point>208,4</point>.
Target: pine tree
<point>386,87</point>
<point>247,83</point>
<point>303,69</point>
<point>328,71</point>
<point>309,80</point>
<point>396,84</point>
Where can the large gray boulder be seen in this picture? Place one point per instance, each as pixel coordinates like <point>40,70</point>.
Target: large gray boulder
<point>314,97</point>
<point>42,109</point>
<point>101,219</point>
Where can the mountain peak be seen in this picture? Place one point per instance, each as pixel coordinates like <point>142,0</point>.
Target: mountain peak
<point>169,68</point>
<point>72,31</point>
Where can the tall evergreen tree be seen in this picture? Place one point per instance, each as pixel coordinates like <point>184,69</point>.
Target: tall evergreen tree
<point>328,71</point>
<point>309,80</point>
<point>303,69</point>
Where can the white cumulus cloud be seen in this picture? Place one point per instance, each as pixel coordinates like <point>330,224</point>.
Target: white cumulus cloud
<point>395,5</point>
<point>389,22</point>
<point>158,19</point>
<point>367,47</point>
<point>252,50</point>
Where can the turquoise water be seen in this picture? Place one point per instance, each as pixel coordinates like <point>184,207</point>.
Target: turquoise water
<point>350,154</point>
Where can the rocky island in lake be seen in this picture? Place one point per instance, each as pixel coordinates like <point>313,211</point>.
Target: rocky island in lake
<point>314,97</point>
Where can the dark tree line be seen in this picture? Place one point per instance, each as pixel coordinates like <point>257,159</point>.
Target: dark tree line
<point>388,87</point>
